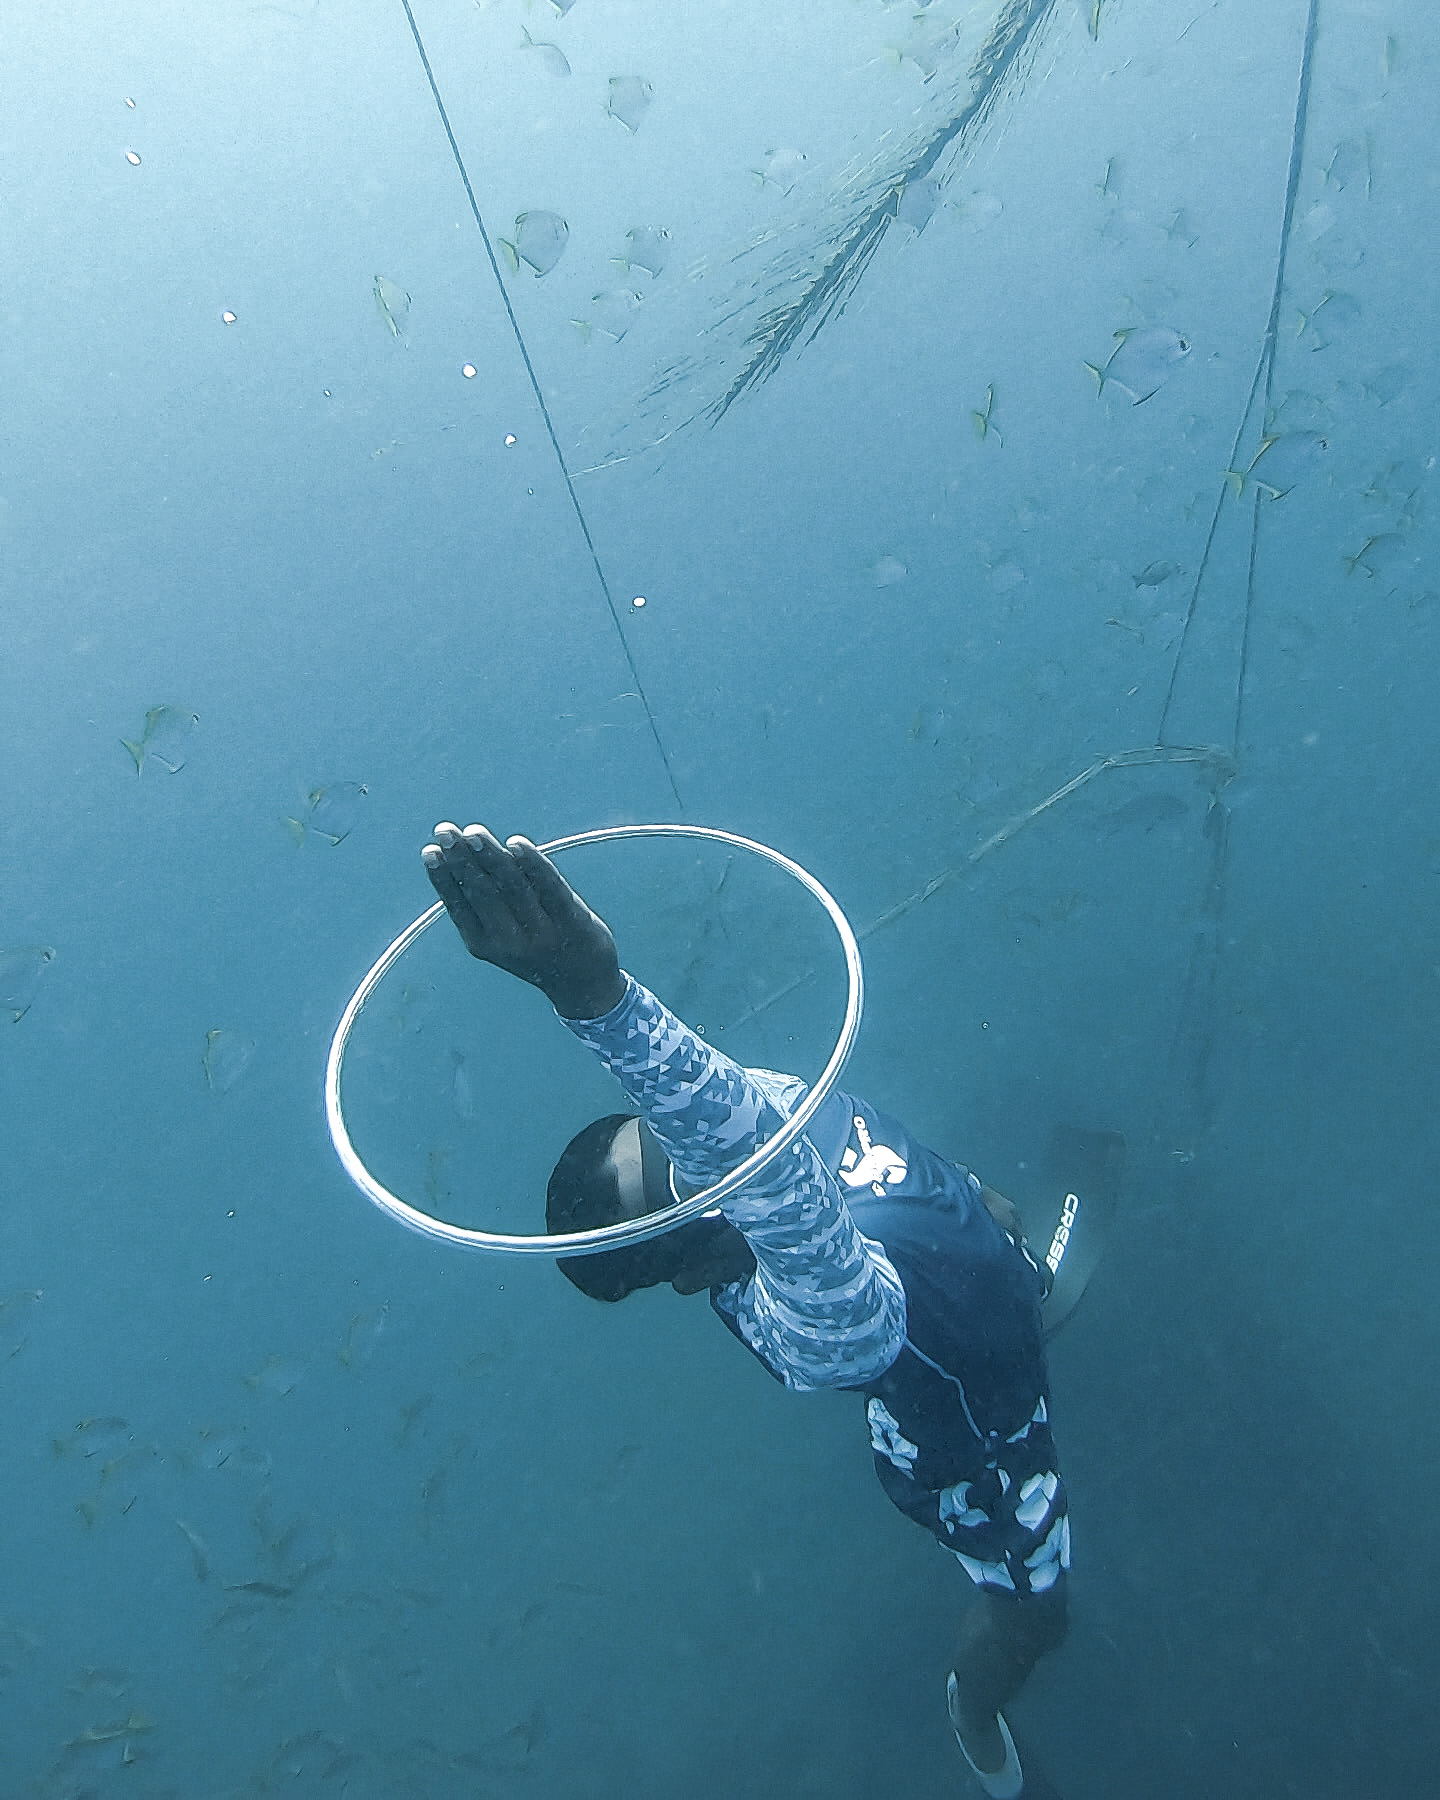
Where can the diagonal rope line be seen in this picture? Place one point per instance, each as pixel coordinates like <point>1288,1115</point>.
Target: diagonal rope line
<point>1194,1041</point>
<point>544,409</point>
<point>1264,377</point>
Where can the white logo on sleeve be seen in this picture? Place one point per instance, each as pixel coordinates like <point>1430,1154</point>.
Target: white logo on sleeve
<point>876,1167</point>
<point>887,1439</point>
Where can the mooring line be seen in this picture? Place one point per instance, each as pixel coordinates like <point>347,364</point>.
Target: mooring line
<point>544,409</point>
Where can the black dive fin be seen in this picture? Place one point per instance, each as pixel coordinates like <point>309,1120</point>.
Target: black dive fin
<point>1086,1167</point>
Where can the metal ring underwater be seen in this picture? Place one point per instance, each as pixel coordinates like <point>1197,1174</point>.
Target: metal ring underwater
<point>628,1231</point>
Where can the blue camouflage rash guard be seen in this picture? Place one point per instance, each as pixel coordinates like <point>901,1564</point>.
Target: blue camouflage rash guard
<point>878,1269</point>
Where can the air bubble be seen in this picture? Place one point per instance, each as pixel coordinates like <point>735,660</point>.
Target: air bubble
<point>639,600</point>
<point>467,370</point>
<point>227,318</point>
<point>509,440</point>
<point>132,159</point>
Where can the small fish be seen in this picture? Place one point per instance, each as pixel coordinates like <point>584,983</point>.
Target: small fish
<point>1377,554</point>
<point>409,1418</point>
<point>928,725</point>
<point>462,1097</point>
<point>613,313</point>
<point>1316,221</point>
<point>104,1436</point>
<point>394,304</point>
<point>1350,163</point>
<point>225,1058</point>
<point>162,739</point>
<point>1338,252</point>
<point>1109,183</point>
<point>275,1374</point>
<point>366,1330</point>
<point>629,101</point>
<point>106,1734</point>
<point>1143,360</point>
<point>437,1188</point>
<point>1155,574</point>
<point>20,972</point>
<point>646,247</point>
<point>916,202</point>
<point>229,1451</point>
<point>1398,484</point>
<point>1280,463</point>
<point>978,211</point>
<point>15,1311</point>
<point>199,1550</point>
<point>1180,230</point>
<point>924,54</point>
<point>550,57</point>
<point>1006,575</point>
<point>272,1590</point>
<point>984,421</point>
<point>1299,410</point>
<point>539,241</point>
<point>110,1681</point>
<point>782,169</point>
<point>1388,384</point>
<point>887,572</point>
<point>1334,311</point>
<point>330,812</point>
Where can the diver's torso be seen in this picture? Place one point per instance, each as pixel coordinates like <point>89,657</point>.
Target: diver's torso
<point>973,1365</point>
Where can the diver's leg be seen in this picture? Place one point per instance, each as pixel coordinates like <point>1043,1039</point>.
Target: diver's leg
<point>1002,1637</point>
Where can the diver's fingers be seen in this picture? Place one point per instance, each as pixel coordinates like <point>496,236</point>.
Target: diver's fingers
<point>468,873</point>
<point>498,867</point>
<point>462,851</point>
<point>550,888</point>
<point>462,913</point>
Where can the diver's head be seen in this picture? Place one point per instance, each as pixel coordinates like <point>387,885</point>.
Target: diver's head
<point>613,1170</point>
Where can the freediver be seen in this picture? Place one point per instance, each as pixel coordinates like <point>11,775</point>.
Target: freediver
<point>857,1260</point>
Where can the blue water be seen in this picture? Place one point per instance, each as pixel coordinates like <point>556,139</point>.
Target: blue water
<point>296,1503</point>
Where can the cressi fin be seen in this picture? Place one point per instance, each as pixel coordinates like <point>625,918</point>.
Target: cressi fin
<point>1086,1169</point>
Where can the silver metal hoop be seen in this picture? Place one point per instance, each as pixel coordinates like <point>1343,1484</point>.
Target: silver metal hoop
<point>628,1231</point>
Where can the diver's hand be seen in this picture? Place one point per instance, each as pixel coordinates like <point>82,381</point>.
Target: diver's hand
<point>512,907</point>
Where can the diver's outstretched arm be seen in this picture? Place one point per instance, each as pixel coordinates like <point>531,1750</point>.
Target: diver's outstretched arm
<point>513,908</point>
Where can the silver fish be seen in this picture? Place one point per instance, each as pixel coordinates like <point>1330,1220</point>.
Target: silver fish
<point>394,305</point>
<point>1281,462</point>
<point>20,972</point>
<point>1143,360</point>
<point>782,168</point>
<point>915,205</point>
<point>646,247</point>
<point>613,313</point>
<point>629,101</point>
<point>1156,573</point>
<point>330,812</point>
<point>539,241</point>
<point>550,57</point>
<point>163,738</point>
<point>225,1058</point>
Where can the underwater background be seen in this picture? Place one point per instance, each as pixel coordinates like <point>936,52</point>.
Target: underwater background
<point>1102,698</point>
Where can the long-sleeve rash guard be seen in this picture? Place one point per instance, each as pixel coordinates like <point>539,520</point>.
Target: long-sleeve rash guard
<point>825,1307</point>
